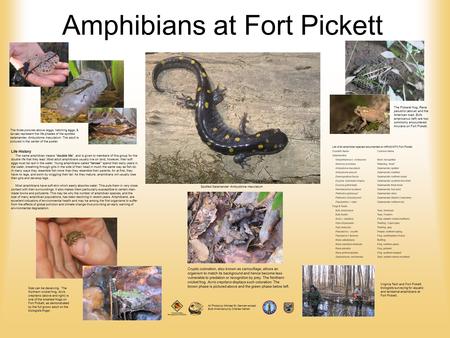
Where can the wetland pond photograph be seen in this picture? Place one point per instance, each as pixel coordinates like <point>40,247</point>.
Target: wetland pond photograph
<point>338,290</point>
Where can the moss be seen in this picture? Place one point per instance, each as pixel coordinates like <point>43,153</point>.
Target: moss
<point>127,294</point>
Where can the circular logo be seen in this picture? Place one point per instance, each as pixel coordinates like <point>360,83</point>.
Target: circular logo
<point>195,308</point>
<point>269,307</point>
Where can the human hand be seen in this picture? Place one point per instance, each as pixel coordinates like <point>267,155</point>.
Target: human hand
<point>53,257</point>
<point>56,259</point>
<point>22,52</point>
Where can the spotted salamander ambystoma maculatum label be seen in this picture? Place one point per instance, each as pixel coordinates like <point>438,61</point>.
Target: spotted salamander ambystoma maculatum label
<point>210,125</point>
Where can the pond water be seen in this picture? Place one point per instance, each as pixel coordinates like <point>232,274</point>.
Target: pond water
<point>333,309</point>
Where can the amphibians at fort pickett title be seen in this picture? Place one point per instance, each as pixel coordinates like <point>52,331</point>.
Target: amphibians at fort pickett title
<point>210,125</point>
<point>72,237</point>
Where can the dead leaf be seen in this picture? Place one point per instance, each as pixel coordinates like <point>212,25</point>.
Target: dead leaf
<point>204,217</point>
<point>271,218</point>
<point>277,256</point>
<point>200,250</point>
<point>246,198</point>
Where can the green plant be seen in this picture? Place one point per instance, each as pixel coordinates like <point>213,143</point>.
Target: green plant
<point>74,69</point>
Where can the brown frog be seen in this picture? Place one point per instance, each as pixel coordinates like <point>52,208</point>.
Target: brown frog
<point>369,114</point>
<point>73,236</point>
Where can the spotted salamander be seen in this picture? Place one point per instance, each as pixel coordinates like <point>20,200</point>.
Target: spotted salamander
<point>210,126</point>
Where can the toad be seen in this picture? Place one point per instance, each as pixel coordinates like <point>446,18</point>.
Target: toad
<point>369,114</point>
<point>72,237</point>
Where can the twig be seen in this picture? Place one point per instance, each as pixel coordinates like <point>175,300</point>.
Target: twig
<point>351,55</point>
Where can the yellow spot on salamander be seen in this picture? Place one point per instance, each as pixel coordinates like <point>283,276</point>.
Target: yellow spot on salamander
<point>215,129</point>
<point>206,104</point>
<point>231,150</point>
<point>237,139</point>
<point>260,146</point>
<point>227,137</point>
<point>258,135</point>
<point>209,143</point>
<point>204,74</point>
<point>199,89</point>
<point>193,61</point>
<point>162,62</point>
<point>275,146</point>
<point>267,140</point>
<point>208,91</point>
<point>196,104</point>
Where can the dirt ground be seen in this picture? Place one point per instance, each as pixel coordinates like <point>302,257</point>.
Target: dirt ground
<point>275,90</point>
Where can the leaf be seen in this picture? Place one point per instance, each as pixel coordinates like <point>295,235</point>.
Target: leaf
<point>393,96</point>
<point>73,69</point>
<point>418,85</point>
<point>407,65</point>
<point>418,44</point>
<point>117,74</point>
<point>262,196</point>
<point>349,79</point>
<point>277,201</point>
<point>388,55</point>
<point>246,198</point>
<point>201,251</point>
<point>409,48</point>
<point>270,220</point>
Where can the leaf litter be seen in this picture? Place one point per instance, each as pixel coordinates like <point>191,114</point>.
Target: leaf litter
<point>235,227</point>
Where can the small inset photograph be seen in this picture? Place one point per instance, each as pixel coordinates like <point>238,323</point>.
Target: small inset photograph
<point>64,245</point>
<point>38,64</point>
<point>235,227</point>
<point>92,84</point>
<point>394,68</point>
<point>122,292</point>
<point>338,290</point>
<point>359,114</point>
<point>215,118</point>
<point>112,125</point>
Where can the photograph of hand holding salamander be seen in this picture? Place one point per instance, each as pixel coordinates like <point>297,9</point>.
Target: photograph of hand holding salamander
<point>258,123</point>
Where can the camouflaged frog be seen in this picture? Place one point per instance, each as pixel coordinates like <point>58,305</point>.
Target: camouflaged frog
<point>72,237</point>
<point>370,115</point>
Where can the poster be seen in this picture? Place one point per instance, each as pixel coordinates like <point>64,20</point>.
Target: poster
<point>217,169</point>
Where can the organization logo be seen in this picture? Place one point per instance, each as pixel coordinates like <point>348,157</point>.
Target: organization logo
<point>176,305</point>
<point>195,308</point>
<point>288,307</point>
<point>269,307</point>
